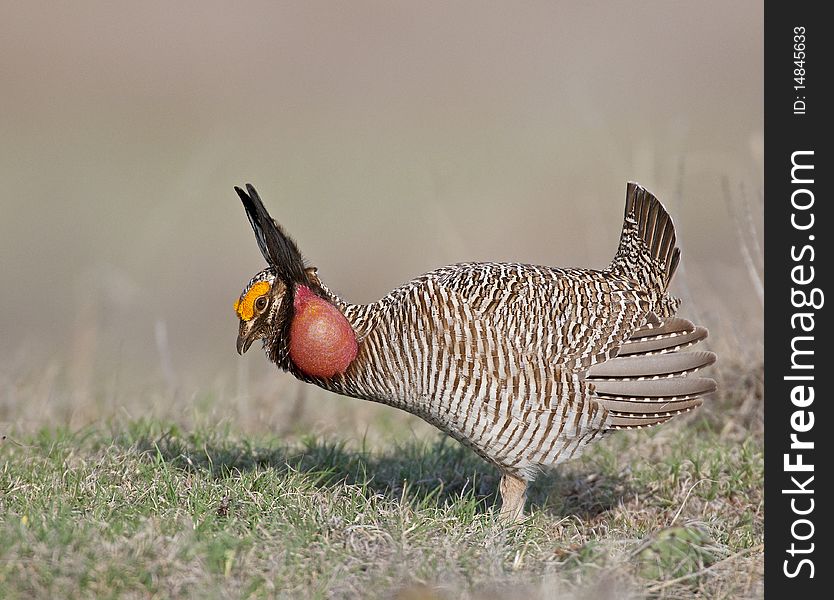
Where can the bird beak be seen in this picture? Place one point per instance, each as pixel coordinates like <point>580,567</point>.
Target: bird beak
<point>245,336</point>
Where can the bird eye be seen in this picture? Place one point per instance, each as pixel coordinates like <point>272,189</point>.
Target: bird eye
<point>260,303</point>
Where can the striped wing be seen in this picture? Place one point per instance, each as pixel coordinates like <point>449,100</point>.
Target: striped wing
<point>533,366</point>
<point>570,318</point>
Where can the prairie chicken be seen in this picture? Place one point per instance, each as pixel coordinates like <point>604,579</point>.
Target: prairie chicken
<point>524,364</point>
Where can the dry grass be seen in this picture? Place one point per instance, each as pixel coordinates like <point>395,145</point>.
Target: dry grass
<point>149,507</point>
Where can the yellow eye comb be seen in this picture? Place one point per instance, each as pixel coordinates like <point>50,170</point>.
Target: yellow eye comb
<point>245,307</point>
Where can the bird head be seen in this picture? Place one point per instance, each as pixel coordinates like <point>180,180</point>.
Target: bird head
<point>286,306</point>
<point>259,308</point>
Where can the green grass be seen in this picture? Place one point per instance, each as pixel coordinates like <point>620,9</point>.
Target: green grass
<point>147,509</point>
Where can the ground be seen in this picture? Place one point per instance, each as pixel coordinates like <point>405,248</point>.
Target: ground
<point>147,508</point>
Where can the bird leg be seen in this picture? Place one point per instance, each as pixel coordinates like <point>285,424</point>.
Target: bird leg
<point>513,494</point>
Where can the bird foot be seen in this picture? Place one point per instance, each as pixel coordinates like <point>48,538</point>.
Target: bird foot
<point>513,494</point>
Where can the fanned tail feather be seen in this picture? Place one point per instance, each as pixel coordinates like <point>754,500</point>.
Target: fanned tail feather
<point>664,343</point>
<point>647,250</point>
<point>649,381</point>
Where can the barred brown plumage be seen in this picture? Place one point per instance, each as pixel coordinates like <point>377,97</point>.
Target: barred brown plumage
<point>524,364</point>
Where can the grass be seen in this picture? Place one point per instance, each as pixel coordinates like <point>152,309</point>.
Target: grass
<point>147,508</point>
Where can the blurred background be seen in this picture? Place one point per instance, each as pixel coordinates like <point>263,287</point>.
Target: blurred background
<point>388,139</point>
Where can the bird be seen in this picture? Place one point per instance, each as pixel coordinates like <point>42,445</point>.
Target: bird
<point>524,364</point>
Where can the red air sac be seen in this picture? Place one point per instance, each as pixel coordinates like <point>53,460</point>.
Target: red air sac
<point>322,342</point>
